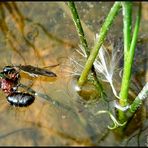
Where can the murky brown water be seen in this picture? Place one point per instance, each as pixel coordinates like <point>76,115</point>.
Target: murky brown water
<point>43,34</point>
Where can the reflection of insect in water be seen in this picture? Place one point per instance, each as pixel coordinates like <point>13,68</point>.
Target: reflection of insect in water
<point>10,81</point>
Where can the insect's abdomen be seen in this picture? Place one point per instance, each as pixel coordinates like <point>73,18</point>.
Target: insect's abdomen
<point>20,99</point>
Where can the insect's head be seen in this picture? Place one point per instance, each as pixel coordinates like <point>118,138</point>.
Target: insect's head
<point>9,70</point>
<point>11,73</point>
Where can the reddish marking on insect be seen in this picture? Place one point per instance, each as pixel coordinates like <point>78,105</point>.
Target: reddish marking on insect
<point>11,73</point>
<point>8,85</point>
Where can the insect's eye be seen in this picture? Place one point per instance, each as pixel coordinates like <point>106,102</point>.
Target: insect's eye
<point>8,69</point>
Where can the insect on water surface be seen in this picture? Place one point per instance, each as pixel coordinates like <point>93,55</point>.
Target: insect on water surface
<point>20,99</point>
<point>10,81</point>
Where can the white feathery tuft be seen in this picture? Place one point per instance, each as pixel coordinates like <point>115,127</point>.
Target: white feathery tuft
<point>105,65</point>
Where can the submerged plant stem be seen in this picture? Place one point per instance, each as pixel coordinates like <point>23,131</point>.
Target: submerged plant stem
<point>103,32</point>
<point>128,65</point>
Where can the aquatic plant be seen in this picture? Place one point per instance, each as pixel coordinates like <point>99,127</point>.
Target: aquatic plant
<point>105,64</point>
<point>129,50</point>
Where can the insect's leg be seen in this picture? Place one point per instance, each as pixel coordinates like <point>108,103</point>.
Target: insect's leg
<point>29,89</point>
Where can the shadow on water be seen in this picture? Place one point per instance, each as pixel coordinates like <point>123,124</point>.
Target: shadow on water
<point>33,35</point>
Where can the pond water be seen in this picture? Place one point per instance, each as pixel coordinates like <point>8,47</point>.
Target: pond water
<point>42,34</point>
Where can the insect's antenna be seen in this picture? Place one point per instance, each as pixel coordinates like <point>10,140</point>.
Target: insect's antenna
<point>51,65</point>
<point>15,65</point>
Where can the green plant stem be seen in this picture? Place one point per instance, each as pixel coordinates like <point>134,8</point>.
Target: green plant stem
<point>138,101</point>
<point>84,44</point>
<point>128,66</point>
<point>103,32</point>
<point>127,15</point>
<point>78,25</point>
<point>127,21</point>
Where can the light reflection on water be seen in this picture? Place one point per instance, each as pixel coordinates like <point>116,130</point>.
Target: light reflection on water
<point>59,116</point>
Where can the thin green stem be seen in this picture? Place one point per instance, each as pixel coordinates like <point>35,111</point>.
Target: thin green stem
<point>128,66</point>
<point>138,101</point>
<point>78,25</point>
<point>84,44</point>
<point>103,32</point>
<point>127,22</point>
